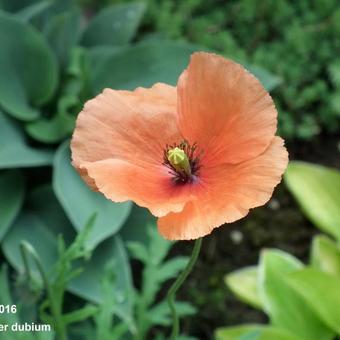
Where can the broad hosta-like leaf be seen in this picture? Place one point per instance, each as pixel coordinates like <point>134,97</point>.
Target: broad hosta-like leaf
<point>244,284</point>
<point>62,33</point>
<point>40,224</point>
<point>285,306</point>
<point>321,292</point>
<point>110,255</point>
<point>30,12</point>
<point>51,130</point>
<point>98,55</point>
<point>16,5</point>
<point>254,332</point>
<point>326,255</point>
<point>12,191</point>
<point>143,65</point>
<point>14,152</point>
<point>28,68</point>
<point>114,25</point>
<point>317,190</point>
<point>79,202</point>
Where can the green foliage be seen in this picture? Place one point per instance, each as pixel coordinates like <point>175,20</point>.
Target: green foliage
<point>79,201</point>
<point>254,332</point>
<point>325,255</point>
<point>286,309</point>
<point>144,311</point>
<point>317,190</point>
<point>302,300</point>
<point>302,53</point>
<point>62,33</point>
<point>115,25</point>
<point>103,278</point>
<point>111,258</point>
<point>28,13</point>
<point>288,292</point>
<point>156,271</point>
<point>243,284</point>
<point>6,298</point>
<point>39,223</point>
<point>29,78</point>
<point>143,65</point>
<point>51,308</point>
<point>15,152</point>
<point>11,198</point>
<point>320,291</point>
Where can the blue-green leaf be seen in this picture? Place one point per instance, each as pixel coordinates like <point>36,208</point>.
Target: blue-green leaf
<point>12,190</point>
<point>136,226</point>
<point>16,5</point>
<point>114,25</point>
<point>80,202</point>
<point>14,152</point>
<point>143,65</point>
<point>51,130</point>
<point>29,12</point>
<point>29,78</point>
<point>62,33</point>
<point>39,224</point>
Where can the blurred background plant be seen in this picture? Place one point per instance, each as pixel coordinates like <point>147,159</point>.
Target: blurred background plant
<point>107,278</point>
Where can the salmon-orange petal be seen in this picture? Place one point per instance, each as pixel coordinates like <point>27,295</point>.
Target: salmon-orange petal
<point>128,125</point>
<point>224,109</point>
<point>149,187</point>
<point>230,191</point>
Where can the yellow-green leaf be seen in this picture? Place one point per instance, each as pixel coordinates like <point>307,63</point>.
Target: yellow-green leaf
<point>244,284</point>
<point>317,190</point>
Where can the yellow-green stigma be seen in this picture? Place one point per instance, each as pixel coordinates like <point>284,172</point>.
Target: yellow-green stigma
<point>179,160</point>
<point>183,162</point>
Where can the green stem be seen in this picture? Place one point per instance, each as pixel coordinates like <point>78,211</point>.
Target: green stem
<point>177,284</point>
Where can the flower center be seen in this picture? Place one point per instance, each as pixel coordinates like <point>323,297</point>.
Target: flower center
<point>183,161</point>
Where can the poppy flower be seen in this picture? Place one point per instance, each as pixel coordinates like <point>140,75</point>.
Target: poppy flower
<point>197,155</point>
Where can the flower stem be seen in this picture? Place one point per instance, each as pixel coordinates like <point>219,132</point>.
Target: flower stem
<point>177,284</point>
